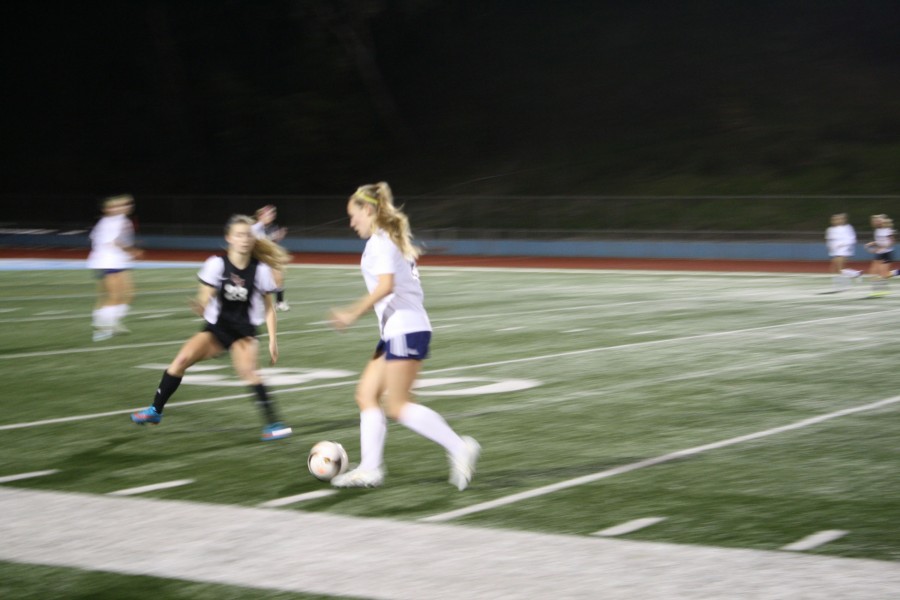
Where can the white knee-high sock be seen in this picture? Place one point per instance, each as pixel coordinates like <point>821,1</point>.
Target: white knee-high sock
<point>372,434</point>
<point>121,311</point>
<point>431,425</point>
<point>105,317</point>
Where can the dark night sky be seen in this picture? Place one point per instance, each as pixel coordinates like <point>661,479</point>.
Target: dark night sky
<point>314,96</point>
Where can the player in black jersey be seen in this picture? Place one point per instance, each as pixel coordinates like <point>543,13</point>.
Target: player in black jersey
<point>234,299</point>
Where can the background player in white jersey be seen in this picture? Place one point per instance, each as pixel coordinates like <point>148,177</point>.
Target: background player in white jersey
<point>840,239</point>
<point>234,298</point>
<point>882,246</point>
<point>111,257</point>
<point>265,227</point>
<point>395,293</point>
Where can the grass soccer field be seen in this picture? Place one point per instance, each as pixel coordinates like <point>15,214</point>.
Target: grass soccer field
<point>747,411</point>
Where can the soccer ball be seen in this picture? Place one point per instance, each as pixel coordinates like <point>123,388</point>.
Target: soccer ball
<point>327,460</point>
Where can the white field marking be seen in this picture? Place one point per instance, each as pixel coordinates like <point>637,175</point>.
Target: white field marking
<point>650,462</point>
<point>146,344</point>
<point>9,478</point>
<point>578,330</point>
<point>563,271</point>
<point>770,365</point>
<point>197,368</point>
<point>94,295</point>
<point>330,329</point>
<point>816,539</point>
<point>288,500</point>
<point>157,315</point>
<point>648,273</point>
<point>8,310</point>
<point>52,315</point>
<point>638,345</point>
<point>128,411</point>
<point>629,526</point>
<point>511,328</point>
<point>426,372</point>
<point>62,317</point>
<point>151,488</point>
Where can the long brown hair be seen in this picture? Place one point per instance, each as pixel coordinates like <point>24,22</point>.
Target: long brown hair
<point>264,250</point>
<point>388,217</point>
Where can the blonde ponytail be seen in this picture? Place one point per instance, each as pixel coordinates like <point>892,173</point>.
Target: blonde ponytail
<point>388,218</point>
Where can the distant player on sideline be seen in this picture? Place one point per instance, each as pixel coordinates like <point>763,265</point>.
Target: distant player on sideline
<point>111,257</point>
<point>265,228</point>
<point>234,299</point>
<point>882,246</point>
<point>841,241</point>
<point>395,293</point>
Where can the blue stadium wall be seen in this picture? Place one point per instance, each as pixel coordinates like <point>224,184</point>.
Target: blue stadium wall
<point>700,250</point>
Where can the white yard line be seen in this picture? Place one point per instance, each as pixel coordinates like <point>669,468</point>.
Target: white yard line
<point>165,485</point>
<point>169,405</point>
<point>288,500</point>
<point>650,462</point>
<point>634,345</point>
<point>639,345</point>
<point>815,540</point>
<point>57,315</point>
<point>770,366</point>
<point>629,526</point>
<point>20,476</point>
<point>92,295</point>
<point>330,555</point>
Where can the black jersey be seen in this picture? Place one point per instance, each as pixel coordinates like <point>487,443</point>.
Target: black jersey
<point>238,302</point>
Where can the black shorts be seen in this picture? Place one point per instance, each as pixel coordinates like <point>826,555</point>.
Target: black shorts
<point>885,257</point>
<point>228,335</point>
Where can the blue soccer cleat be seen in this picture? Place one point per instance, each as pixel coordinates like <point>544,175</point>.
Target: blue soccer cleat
<point>275,431</point>
<point>148,415</point>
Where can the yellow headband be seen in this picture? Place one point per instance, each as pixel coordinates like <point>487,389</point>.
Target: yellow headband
<point>367,198</point>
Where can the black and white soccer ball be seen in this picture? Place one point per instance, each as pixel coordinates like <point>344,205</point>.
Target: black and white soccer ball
<point>327,460</point>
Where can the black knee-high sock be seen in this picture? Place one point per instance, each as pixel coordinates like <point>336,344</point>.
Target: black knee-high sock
<point>264,404</point>
<point>167,387</point>
<point>279,295</point>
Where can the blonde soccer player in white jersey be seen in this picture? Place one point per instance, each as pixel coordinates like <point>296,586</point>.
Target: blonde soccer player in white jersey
<point>385,386</point>
<point>882,246</point>
<point>111,258</point>
<point>840,238</point>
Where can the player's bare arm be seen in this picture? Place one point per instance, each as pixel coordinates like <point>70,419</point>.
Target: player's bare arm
<point>344,317</point>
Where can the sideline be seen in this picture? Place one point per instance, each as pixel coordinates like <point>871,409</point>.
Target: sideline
<point>318,553</point>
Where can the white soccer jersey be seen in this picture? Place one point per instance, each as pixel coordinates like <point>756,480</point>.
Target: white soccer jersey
<point>841,240</point>
<point>107,238</point>
<point>884,239</point>
<point>235,289</point>
<point>402,311</point>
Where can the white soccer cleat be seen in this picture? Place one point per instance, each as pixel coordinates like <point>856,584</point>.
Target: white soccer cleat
<point>359,478</point>
<point>283,306</point>
<point>102,334</point>
<point>462,468</point>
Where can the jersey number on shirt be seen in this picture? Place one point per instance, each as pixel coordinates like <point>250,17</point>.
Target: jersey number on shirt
<point>235,293</point>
